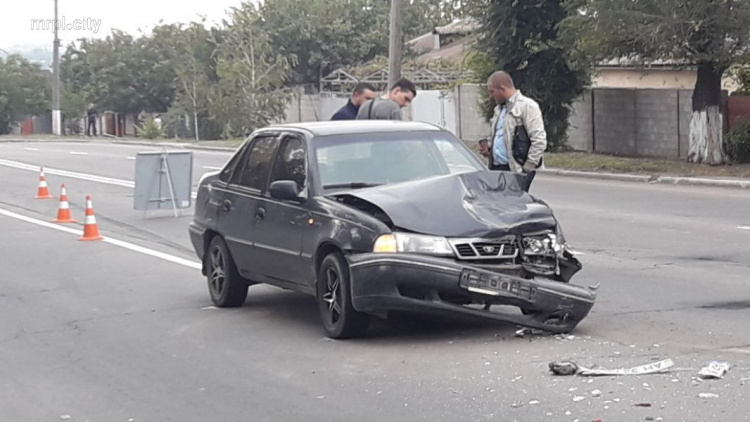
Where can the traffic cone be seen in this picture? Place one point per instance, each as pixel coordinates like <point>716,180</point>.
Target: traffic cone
<point>63,212</point>
<point>90,228</point>
<point>43,191</point>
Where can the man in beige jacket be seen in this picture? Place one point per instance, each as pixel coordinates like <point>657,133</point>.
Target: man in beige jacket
<point>517,121</point>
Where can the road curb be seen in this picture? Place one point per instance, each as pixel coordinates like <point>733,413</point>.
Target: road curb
<point>176,145</point>
<point>694,181</point>
<point>594,175</point>
<point>76,141</point>
<point>667,180</point>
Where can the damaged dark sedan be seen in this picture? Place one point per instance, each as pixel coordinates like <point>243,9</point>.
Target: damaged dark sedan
<point>379,216</point>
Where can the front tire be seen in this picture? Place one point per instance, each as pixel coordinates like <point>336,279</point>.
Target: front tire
<point>227,288</point>
<point>339,318</point>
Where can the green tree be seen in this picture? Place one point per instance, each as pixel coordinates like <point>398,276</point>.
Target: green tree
<point>319,36</point>
<point>24,91</point>
<point>188,51</point>
<point>708,34</point>
<point>251,76</point>
<point>120,73</point>
<point>521,38</point>
<point>72,106</point>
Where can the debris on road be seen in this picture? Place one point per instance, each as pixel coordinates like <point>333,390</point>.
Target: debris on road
<point>642,405</point>
<point>523,332</point>
<point>596,393</point>
<point>571,368</point>
<point>708,396</point>
<point>578,398</point>
<point>533,402</point>
<point>714,370</point>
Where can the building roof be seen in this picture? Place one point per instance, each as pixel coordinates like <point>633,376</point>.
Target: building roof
<point>343,127</point>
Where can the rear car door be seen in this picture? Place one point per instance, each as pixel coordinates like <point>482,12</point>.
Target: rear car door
<point>278,235</point>
<point>241,203</point>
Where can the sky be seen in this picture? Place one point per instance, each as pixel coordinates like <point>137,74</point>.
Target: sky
<point>96,18</point>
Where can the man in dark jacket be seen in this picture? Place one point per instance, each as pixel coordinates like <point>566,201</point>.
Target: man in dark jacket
<point>362,92</point>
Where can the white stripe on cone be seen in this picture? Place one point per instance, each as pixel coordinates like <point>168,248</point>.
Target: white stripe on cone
<point>64,205</point>
<point>90,220</point>
<point>42,184</point>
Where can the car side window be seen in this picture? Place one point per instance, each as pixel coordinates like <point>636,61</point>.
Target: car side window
<point>257,163</point>
<point>233,164</point>
<point>290,162</point>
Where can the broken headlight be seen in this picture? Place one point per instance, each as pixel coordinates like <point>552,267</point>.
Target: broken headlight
<point>547,244</point>
<point>412,243</point>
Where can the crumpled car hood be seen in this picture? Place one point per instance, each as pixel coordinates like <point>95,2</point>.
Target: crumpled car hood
<point>480,204</point>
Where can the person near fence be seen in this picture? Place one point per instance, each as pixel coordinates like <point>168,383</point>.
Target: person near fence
<point>362,92</point>
<point>518,139</point>
<point>91,114</point>
<point>388,107</point>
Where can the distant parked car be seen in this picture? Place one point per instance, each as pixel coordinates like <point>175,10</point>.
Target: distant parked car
<point>377,216</point>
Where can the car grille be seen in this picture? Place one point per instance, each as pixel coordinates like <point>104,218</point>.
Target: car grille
<point>485,249</point>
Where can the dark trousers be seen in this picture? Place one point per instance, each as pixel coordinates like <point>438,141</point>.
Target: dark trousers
<point>500,167</point>
<point>92,124</point>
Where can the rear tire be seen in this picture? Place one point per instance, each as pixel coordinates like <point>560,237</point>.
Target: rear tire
<point>333,287</point>
<point>225,285</point>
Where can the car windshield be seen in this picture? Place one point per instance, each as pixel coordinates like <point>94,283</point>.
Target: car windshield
<point>363,160</point>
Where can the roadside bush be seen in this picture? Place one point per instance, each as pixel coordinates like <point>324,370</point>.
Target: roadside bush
<point>737,142</point>
<point>150,129</point>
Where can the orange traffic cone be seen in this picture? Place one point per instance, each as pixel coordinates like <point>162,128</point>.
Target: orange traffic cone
<point>90,228</point>
<point>43,191</point>
<point>63,212</point>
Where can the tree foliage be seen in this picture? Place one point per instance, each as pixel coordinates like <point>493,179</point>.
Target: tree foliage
<point>24,91</point>
<point>228,79</point>
<point>521,37</point>
<point>708,34</point>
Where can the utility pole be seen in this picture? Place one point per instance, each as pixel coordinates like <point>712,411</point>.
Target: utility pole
<point>396,43</point>
<point>56,115</point>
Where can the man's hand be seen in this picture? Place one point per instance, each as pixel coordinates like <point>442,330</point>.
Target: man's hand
<point>528,167</point>
<point>484,148</point>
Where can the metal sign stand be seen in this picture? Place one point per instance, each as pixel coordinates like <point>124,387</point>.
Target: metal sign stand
<point>153,169</point>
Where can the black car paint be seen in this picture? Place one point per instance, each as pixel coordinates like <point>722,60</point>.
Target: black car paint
<point>477,204</point>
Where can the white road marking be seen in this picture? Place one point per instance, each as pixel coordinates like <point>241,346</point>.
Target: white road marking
<point>79,153</point>
<point>116,242</point>
<point>31,149</point>
<point>130,158</point>
<point>211,168</point>
<point>74,175</point>
<point>743,227</point>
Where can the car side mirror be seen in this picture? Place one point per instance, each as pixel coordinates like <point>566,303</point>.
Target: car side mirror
<point>285,190</point>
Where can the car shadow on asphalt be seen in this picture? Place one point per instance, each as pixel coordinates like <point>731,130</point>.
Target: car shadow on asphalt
<point>288,307</point>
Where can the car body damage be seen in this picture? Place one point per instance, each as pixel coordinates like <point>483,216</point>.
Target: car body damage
<point>506,248</point>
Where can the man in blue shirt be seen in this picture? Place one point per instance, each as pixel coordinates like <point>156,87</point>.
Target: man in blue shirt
<point>362,92</point>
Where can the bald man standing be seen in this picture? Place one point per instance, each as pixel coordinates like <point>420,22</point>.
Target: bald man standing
<point>518,137</point>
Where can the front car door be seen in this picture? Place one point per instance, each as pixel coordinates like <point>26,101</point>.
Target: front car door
<point>241,203</point>
<point>279,233</point>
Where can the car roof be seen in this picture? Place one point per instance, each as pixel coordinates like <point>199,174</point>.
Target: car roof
<point>344,127</point>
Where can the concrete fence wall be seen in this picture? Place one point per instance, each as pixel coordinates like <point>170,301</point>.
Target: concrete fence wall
<point>629,122</point>
<point>632,122</point>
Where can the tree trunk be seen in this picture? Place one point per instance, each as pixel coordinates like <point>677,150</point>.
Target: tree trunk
<point>706,123</point>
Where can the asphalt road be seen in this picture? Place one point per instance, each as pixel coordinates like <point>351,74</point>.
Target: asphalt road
<point>102,332</point>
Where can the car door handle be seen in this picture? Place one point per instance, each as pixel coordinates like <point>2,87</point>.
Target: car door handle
<point>260,213</point>
<point>226,205</point>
